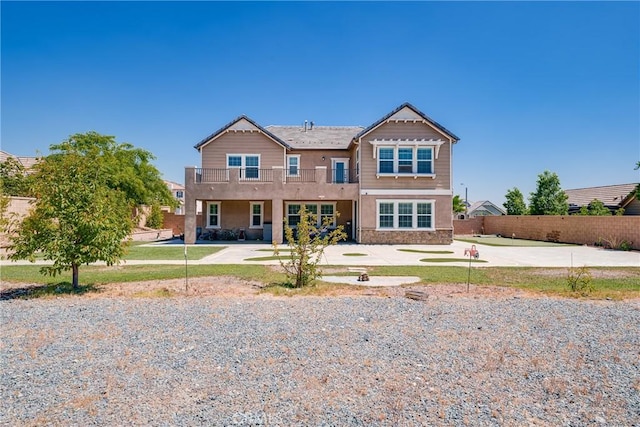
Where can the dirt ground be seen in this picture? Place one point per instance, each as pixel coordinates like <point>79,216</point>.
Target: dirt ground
<point>232,287</point>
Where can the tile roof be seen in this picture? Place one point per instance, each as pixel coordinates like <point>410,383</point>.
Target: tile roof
<point>318,137</point>
<point>609,195</point>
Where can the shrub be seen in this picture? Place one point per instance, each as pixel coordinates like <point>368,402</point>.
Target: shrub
<point>155,219</point>
<point>579,280</point>
<point>625,245</point>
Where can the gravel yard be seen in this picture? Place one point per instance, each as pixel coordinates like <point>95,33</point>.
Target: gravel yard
<point>454,359</point>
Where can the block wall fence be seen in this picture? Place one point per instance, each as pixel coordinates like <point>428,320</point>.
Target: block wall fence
<point>584,230</point>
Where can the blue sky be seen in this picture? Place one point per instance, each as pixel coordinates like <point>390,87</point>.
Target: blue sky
<point>527,86</point>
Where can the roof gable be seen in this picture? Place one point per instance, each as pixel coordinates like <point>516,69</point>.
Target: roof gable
<point>240,124</point>
<point>486,206</point>
<point>407,112</point>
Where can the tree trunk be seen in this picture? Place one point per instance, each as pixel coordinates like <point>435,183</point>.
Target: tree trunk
<point>74,268</point>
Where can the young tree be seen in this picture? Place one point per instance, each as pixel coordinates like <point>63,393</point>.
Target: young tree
<point>548,199</point>
<point>458,204</point>
<point>515,204</point>
<point>307,247</point>
<point>85,192</point>
<point>595,208</point>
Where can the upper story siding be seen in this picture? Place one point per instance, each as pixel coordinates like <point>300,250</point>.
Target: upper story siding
<point>214,154</point>
<point>402,130</point>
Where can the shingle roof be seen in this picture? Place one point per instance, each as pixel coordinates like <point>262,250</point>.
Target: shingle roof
<point>609,195</point>
<point>318,137</point>
<point>231,123</point>
<point>420,113</point>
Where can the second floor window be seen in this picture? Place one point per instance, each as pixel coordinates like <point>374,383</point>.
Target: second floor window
<point>249,165</point>
<point>405,160</point>
<point>293,165</point>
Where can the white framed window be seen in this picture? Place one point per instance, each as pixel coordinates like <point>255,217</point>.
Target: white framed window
<point>179,194</point>
<point>320,210</point>
<point>213,215</point>
<point>407,215</point>
<point>293,165</point>
<point>249,165</point>
<point>257,215</point>
<point>399,160</point>
<point>358,161</point>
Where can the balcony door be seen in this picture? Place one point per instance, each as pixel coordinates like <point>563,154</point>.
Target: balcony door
<point>340,169</point>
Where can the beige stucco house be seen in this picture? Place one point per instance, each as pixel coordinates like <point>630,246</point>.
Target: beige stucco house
<point>391,182</point>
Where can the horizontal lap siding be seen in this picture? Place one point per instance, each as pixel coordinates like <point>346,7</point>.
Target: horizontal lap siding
<point>214,154</point>
<point>402,130</point>
<point>309,159</point>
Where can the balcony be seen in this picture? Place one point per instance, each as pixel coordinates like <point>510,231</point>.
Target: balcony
<point>275,183</point>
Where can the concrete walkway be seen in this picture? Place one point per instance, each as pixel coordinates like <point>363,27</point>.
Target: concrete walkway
<point>376,255</point>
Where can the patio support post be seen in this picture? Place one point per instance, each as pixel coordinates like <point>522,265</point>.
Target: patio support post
<point>277,215</point>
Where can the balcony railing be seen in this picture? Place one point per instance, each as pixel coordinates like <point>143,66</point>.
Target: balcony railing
<point>209,175</point>
<point>300,175</point>
<point>333,176</point>
<point>342,176</point>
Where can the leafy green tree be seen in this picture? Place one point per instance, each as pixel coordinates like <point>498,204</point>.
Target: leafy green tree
<point>307,246</point>
<point>14,179</point>
<point>85,192</point>
<point>458,204</point>
<point>594,208</point>
<point>515,204</point>
<point>548,199</point>
<point>155,217</point>
<point>126,168</point>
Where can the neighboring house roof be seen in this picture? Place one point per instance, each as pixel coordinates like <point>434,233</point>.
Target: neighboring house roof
<point>318,137</point>
<point>230,125</point>
<point>484,207</point>
<point>433,123</point>
<point>174,185</point>
<point>612,196</point>
<point>26,162</point>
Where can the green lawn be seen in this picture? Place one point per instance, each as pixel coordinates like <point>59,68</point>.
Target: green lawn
<point>169,252</point>
<point>503,241</point>
<point>615,283</point>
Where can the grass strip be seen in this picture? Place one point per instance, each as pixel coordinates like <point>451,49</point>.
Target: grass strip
<point>417,251</point>
<point>502,241</point>
<point>170,252</point>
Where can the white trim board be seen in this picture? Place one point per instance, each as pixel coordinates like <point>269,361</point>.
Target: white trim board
<point>405,192</point>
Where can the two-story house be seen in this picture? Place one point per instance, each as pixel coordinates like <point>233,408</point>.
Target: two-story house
<point>391,182</point>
